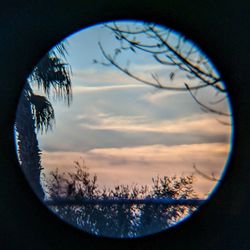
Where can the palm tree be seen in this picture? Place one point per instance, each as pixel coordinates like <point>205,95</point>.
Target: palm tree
<point>35,112</point>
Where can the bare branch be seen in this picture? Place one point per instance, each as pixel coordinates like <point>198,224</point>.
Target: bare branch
<point>162,86</point>
<point>176,52</point>
<point>211,178</point>
<point>204,106</point>
<point>193,69</point>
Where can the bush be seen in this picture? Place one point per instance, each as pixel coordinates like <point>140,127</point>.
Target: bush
<point>119,220</point>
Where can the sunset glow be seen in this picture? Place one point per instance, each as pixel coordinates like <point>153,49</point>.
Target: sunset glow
<point>135,116</point>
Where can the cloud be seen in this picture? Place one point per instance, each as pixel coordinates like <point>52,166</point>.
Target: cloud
<point>91,89</point>
<point>130,165</point>
<point>153,67</point>
<point>120,119</point>
<point>163,154</point>
<point>101,75</point>
<point>158,96</point>
<point>193,124</point>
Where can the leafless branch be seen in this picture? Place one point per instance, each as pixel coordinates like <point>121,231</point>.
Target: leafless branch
<point>180,54</point>
<point>206,108</point>
<point>125,70</point>
<point>211,178</point>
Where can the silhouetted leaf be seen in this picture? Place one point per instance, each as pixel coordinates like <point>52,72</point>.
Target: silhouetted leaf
<point>171,76</point>
<point>43,112</point>
<point>117,37</point>
<point>132,49</point>
<point>117,51</point>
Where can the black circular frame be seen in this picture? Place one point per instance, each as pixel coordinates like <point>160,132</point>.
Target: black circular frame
<point>30,29</point>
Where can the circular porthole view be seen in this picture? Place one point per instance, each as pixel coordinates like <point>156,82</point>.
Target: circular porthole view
<point>124,129</point>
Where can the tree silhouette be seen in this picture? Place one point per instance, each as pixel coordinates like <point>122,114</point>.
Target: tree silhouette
<point>187,67</point>
<point>68,196</point>
<point>35,112</point>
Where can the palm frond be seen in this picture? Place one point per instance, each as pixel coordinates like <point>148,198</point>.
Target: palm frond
<point>53,73</point>
<point>60,50</point>
<point>43,112</point>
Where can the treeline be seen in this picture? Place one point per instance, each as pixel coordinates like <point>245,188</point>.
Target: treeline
<point>118,220</point>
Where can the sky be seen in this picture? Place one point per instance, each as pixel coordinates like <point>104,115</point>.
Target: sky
<point>128,132</point>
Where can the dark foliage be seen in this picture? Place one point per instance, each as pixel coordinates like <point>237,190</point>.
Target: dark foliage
<point>119,219</point>
<point>35,113</point>
<point>43,112</point>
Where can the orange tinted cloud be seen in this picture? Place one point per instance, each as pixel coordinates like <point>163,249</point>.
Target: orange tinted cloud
<point>139,164</point>
<point>193,124</point>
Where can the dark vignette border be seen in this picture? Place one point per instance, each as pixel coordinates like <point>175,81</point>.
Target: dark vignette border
<point>29,29</point>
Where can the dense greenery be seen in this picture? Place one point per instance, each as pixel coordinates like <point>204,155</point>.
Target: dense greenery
<point>118,220</point>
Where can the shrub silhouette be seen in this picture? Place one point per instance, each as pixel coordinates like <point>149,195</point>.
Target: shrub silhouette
<point>118,219</point>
